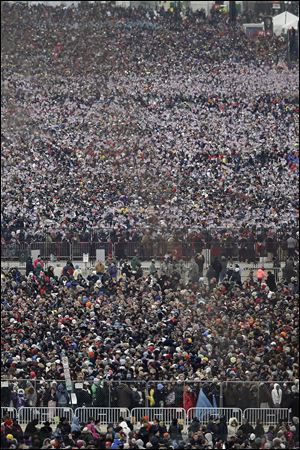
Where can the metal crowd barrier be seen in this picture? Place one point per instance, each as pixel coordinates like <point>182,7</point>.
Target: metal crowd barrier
<point>165,415</point>
<point>203,414</point>
<point>9,411</point>
<point>103,415</point>
<point>43,414</point>
<point>267,416</point>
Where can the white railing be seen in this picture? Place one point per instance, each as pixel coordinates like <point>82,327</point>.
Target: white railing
<point>267,416</point>
<point>203,414</point>
<point>103,415</point>
<point>52,414</point>
<point>165,415</point>
<point>9,411</point>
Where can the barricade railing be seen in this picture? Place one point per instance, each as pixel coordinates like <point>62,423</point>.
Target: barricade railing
<point>178,248</point>
<point>203,414</point>
<point>165,415</point>
<point>8,411</point>
<point>43,414</point>
<point>267,416</point>
<point>102,415</point>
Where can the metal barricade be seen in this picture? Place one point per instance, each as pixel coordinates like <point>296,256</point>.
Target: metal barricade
<point>43,414</point>
<point>102,415</point>
<point>267,416</point>
<point>165,415</point>
<point>8,411</point>
<point>203,414</point>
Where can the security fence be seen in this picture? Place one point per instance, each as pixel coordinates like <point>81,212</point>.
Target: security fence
<point>9,412</point>
<point>43,414</point>
<point>267,416</point>
<point>164,415</point>
<point>238,248</point>
<point>205,414</point>
<point>104,416</point>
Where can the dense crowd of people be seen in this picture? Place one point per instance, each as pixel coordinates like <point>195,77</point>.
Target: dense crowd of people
<point>149,435</point>
<point>124,124</point>
<point>136,125</point>
<point>122,324</point>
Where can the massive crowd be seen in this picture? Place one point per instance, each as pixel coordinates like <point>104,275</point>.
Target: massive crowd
<point>131,326</point>
<point>123,124</point>
<point>128,124</point>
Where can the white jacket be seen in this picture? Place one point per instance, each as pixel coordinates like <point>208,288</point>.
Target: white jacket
<point>276,395</point>
<point>232,429</point>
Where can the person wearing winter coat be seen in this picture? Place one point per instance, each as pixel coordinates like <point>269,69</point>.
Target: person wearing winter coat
<point>223,429</point>
<point>246,428</point>
<point>19,399</point>
<point>135,264</point>
<point>100,269</point>
<point>236,276</point>
<point>175,431</point>
<point>152,268</point>
<point>261,274</point>
<point>200,260</point>
<point>46,431</point>
<point>232,427</point>
<point>84,396</point>
<point>276,395</point>
<point>216,264</point>
<point>210,274</point>
<point>223,269</point>
<point>62,396</point>
<point>113,271</point>
<point>92,428</point>
<point>31,428</point>
<point>194,272</point>
<point>195,425</point>
<point>29,266</point>
<point>75,425</point>
<point>259,429</point>
<point>30,395</point>
<point>271,282</point>
<point>189,398</point>
<point>124,394</point>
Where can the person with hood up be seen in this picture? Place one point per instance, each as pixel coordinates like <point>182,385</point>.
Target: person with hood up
<point>75,425</point>
<point>276,395</point>
<point>135,264</point>
<point>92,428</point>
<point>232,427</point>
<point>62,396</point>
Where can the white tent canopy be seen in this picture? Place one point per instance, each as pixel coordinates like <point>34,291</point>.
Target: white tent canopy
<point>284,21</point>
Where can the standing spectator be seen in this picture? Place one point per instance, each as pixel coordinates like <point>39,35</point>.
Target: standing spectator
<point>261,274</point>
<point>271,282</point>
<point>200,260</point>
<point>276,395</point>
<point>291,246</point>
<point>194,271</point>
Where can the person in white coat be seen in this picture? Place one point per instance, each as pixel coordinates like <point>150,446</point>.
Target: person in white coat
<point>276,396</point>
<point>232,427</point>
